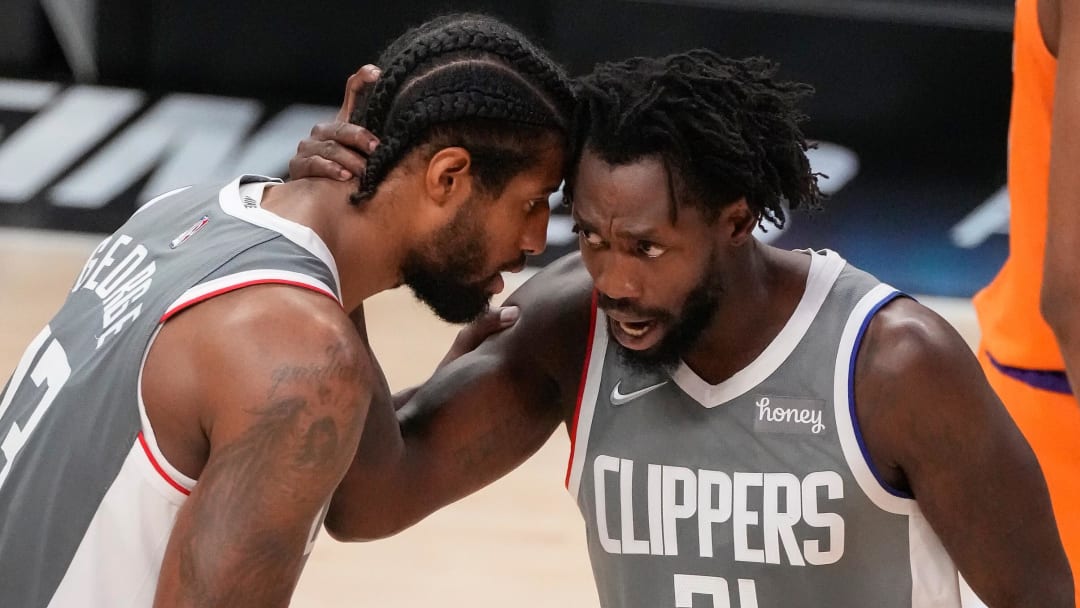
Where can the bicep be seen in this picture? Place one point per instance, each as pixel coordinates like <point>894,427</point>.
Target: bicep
<point>285,426</point>
<point>971,471</point>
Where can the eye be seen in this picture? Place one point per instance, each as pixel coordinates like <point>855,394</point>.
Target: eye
<point>651,250</point>
<point>530,205</point>
<point>591,238</point>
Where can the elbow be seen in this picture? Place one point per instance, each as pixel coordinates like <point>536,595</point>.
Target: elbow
<point>347,526</point>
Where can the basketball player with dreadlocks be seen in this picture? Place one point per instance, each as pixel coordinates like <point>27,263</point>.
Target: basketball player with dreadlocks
<point>173,436</point>
<point>750,427</point>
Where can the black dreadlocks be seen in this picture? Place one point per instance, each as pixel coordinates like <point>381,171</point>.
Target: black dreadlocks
<point>470,81</point>
<point>725,129</point>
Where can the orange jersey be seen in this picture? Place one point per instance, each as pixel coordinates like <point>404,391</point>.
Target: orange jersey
<point>1013,329</point>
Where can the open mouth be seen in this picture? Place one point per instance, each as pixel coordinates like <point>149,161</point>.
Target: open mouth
<point>635,329</point>
<point>635,333</point>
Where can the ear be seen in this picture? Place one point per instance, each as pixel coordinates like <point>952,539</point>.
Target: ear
<point>737,222</point>
<point>448,180</point>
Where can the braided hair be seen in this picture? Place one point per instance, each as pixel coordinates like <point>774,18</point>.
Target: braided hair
<point>725,129</point>
<point>470,81</point>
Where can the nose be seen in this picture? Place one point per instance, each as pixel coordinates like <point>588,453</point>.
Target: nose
<point>534,239</point>
<point>615,276</point>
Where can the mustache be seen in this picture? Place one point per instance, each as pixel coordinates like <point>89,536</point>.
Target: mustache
<point>514,266</point>
<point>627,306</point>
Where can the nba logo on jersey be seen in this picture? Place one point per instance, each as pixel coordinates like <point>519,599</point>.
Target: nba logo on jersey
<point>190,232</point>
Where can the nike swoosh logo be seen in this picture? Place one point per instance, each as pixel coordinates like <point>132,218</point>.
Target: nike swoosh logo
<point>618,398</point>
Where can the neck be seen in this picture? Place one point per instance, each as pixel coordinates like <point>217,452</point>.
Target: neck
<point>763,286</point>
<point>368,245</point>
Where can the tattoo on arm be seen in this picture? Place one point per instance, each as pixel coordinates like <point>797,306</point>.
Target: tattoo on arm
<point>292,443</point>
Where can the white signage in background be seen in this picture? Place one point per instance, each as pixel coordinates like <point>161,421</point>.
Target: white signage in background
<point>179,140</point>
<point>67,127</point>
<point>989,218</point>
<point>836,164</point>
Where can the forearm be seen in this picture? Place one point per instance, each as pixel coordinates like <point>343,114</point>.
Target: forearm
<point>206,572</point>
<point>467,427</point>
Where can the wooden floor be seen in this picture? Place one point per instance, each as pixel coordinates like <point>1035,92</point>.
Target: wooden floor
<point>518,543</point>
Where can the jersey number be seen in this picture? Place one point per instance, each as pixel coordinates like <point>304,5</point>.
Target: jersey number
<point>52,371</point>
<point>714,587</point>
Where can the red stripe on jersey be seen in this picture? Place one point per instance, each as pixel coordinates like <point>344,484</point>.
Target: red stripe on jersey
<point>183,305</point>
<point>581,388</point>
<point>157,467</point>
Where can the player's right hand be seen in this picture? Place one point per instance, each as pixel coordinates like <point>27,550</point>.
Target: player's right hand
<point>338,149</point>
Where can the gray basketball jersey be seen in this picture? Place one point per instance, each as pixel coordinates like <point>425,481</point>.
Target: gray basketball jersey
<point>756,492</point>
<point>87,501</point>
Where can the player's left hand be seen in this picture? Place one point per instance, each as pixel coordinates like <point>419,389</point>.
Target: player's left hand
<point>474,334</point>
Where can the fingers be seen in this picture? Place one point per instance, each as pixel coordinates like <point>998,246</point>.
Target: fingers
<point>356,86</point>
<point>346,134</point>
<point>508,315</point>
<point>329,152</point>
<point>492,322</point>
<point>317,166</point>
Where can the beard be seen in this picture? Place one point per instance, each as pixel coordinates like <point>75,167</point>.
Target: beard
<point>447,273</point>
<point>685,326</point>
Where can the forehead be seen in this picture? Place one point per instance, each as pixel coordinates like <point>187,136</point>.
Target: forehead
<point>638,189</point>
<point>545,173</point>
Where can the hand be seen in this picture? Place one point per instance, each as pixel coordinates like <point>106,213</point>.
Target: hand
<point>339,149</point>
<point>474,334</point>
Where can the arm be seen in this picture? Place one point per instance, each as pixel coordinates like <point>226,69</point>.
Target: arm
<point>934,427</point>
<point>470,336</point>
<point>1061,270</point>
<point>281,382</point>
<point>477,419</point>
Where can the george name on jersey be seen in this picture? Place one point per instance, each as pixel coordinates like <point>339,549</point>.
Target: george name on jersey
<point>119,274</point>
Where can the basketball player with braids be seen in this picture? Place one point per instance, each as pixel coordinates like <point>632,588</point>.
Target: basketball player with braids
<point>174,435</point>
<point>750,426</point>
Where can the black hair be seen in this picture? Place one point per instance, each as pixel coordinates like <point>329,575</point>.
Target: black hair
<point>465,80</point>
<point>724,128</point>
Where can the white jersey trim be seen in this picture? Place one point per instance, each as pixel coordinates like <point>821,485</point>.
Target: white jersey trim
<point>824,270</point>
<point>155,455</point>
<point>157,199</point>
<point>935,582</point>
<point>589,395</point>
<point>231,203</point>
<point>857,461</point>
<point>246,278</point>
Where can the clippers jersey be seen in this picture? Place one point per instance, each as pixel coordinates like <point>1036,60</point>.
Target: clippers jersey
<point>756,492</point>
<point>87,501</point>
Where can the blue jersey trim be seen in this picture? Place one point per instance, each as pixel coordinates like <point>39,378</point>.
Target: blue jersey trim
<point>851,397</point>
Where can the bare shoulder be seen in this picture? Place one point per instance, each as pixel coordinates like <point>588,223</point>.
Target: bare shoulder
<point>562,289</point>
<point>553,330</point>
<point>906,339</point>
<point>918,387</point>
<point>225,363</point>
